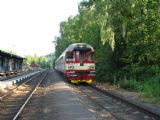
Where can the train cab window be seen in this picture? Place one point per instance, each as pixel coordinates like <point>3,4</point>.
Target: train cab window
<point>82,55</point>
<point>69,56</point>
<point>90,56</point>
<point>77,55</point>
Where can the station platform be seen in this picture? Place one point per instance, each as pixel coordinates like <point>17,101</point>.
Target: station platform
<point>12,81</point>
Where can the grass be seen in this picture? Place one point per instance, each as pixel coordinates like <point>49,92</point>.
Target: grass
<point>149,88</point>
<point>131,85</point>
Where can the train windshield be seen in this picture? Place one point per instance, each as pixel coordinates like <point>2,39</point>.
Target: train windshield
<point>84,56</point>
<point>80,56</point>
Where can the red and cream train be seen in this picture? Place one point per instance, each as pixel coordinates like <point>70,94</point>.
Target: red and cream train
<point>77,63</point>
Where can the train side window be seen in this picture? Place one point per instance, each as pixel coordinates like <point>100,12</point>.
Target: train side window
<point>61,60</point>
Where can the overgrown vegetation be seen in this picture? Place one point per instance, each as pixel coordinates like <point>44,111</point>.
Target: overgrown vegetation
<point>149,88</point>
<point>126,37</point>
<point>130,85</point>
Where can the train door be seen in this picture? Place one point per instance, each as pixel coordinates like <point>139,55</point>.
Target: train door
<point>82,57</point>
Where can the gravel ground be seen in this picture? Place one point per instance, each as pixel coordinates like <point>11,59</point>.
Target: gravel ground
<point>10,104</point>
<point>132,96</point>
<point>55,100</point>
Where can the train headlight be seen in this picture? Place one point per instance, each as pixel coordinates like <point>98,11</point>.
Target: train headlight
<point>91,67</point>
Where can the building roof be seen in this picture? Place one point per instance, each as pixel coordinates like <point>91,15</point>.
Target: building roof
<point>3,53</point>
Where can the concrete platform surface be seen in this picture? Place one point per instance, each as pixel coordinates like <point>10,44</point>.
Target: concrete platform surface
<point>12,81</point>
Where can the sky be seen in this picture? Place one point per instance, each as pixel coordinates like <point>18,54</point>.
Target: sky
<point>28,27</point>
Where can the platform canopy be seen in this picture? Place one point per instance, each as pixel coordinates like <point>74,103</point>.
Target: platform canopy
<point>5,54</point>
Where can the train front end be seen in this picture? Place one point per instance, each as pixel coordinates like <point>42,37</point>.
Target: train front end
<point>80,63</point>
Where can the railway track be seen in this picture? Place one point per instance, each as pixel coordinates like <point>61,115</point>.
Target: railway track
<point>155,115</point>
<point>118,107</point>
<point>14,101</point>
<point>2,96</point>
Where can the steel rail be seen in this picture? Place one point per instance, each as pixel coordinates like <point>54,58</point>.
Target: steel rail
<point>90,98</point>
<point>140,107</point>
<point>9,92</point>
<point>22,107</point>
<point>107,93</point>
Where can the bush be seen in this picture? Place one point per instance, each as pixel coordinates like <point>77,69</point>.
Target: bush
<point>130,85</point>
<point>151,88</point>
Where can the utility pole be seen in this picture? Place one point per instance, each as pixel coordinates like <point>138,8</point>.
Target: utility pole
<point>54,45</point>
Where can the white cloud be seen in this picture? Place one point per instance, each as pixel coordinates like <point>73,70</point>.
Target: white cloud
<point>29,26</point>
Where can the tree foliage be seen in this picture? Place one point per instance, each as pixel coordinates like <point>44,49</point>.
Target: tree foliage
<point>124,33</point>
<point>43,61</point>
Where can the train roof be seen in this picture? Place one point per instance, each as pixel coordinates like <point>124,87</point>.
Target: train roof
<point>79,46</point>
<point>5,54</point>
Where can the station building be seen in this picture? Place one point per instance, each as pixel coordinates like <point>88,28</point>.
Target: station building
<point>10,63</point>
